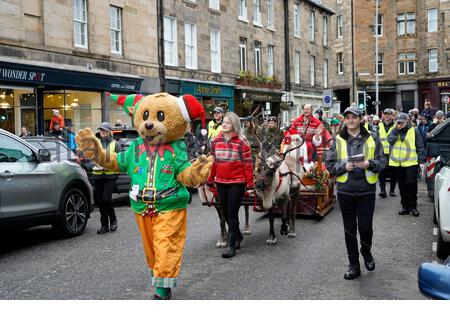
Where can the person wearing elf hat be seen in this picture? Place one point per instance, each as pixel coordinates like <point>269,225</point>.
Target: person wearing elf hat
<point>158,164</point>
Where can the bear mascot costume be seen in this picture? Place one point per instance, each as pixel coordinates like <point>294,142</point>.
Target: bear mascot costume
<point>158,164</point>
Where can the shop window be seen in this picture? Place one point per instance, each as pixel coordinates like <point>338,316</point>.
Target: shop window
<point>81,108</point>
<point>117,113</point>
<point>17,109</point>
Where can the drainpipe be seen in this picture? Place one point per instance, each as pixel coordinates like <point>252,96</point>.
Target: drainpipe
<point>160,32</point>
<point>353,94</point>
<point>287,63</point>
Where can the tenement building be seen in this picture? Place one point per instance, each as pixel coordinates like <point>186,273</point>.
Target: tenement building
<point>65,55</point>
<point>411,64</point>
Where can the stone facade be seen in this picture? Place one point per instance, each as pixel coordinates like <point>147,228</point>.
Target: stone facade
<point>42,30</point>
<point>396,89</point>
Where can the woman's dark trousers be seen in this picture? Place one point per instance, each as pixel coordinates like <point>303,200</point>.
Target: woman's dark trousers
<point>357,214</point>
<point>103,193</point>
<point>230,196</point>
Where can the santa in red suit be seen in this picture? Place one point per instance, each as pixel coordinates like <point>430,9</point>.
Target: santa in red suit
<point>311,129</point>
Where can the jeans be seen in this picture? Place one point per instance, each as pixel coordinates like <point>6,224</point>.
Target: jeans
<point>357,214</point>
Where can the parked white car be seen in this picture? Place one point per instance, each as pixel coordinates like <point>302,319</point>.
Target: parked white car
<point>442,207</point>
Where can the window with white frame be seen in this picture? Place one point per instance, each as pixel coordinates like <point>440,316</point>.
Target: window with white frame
<point>170,41</point>
<point>214,4</point>
<point>379,64</point>
<point>340,63</point>
<point>325,32</point>
<point>379,25</point>
<point>296,20</point>
<point>312,25</point>
<point>257,12</point>
<point>432,20</point>
<point>257,57</point>
<point>243,54</point>
<point>297,67</point>
<point>80,31</point>
<point>432,60</point>
<point>216,65</point>
<point>340,26</point>
<point>406,63</point>
<point>312,71</point>
<point>242,9</point>
<point>401,24</point>
<point>190,42</point>
<point>270,69</point>
<point>116,29</point>
<point>410,23</point>
<point>270,13</point>
<point>325,73</point>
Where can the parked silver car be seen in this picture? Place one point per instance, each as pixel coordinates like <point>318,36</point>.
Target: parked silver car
<point>34,190</point>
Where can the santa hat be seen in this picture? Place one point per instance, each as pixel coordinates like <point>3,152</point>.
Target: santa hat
<point>191,109</point>
<point>129,102</point>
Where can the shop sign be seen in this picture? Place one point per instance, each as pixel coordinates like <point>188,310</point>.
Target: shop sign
<point>208,90</point>
<point>262,97</point>
<point>24,75</point>
<point>442,84</point>
<point>67,78</point>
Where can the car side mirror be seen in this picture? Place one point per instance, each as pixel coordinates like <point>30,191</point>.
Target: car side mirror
<point>44,155</point>
<point>434,280</point>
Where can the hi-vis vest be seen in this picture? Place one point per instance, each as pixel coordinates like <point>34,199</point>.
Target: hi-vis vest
<point>404,154</point>
<point>369,153</point>
<point>383,136</point>
<point>366,125</point>
<point>109,150</point>
<point>212,133</point>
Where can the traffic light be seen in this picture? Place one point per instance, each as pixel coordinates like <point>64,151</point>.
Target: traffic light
<point>362,100</point>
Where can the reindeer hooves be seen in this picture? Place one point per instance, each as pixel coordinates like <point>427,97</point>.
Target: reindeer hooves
<point>246,231</point>
<point>292,235</point>
<point>271,242</point>
<point>221,244</point>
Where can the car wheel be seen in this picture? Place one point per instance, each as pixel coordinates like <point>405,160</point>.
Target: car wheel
<point>443,248</point>
<point>73,213</point>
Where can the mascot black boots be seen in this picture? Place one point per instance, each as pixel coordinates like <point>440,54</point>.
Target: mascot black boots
<point>230,251</point>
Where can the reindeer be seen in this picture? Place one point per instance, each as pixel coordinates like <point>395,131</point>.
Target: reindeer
<point>276,183</point>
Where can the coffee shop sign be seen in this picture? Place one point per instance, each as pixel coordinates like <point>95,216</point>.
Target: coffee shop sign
<point>14,74</point>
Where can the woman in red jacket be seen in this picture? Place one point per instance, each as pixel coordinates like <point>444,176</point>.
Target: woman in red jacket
<point>232,172</point>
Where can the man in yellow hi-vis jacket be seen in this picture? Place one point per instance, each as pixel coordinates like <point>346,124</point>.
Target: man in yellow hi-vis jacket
<point>407,152</point>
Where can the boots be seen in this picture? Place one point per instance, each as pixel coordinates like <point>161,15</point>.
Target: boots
<point>369,261</point>
<point>230,250</point>
<point>354,271</point>
<point>238,240</point>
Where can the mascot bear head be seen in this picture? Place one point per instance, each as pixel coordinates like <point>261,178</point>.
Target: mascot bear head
<point>161,118</point>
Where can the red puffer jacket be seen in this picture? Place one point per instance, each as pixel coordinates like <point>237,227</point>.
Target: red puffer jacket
<point>232,161</point>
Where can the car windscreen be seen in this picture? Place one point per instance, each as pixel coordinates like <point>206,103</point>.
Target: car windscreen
<point>57,150</point>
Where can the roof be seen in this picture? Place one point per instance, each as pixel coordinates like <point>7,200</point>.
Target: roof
<point>320,6</point>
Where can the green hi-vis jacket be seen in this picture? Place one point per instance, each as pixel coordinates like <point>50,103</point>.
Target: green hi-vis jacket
<point>155,167</point>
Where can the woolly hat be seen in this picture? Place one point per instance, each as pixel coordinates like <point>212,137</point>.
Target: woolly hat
<point>130,102</point>
<point>191,108</point>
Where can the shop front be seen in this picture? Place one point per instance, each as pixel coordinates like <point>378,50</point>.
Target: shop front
<point>210,95</point>
<point>29,94</point>
<point>437,91</point>
<point>257,102</point>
